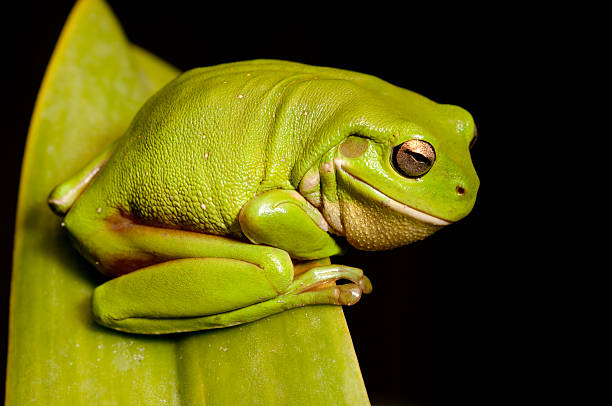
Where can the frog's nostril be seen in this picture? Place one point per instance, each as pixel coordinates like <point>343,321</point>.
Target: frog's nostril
<point>460,190</point>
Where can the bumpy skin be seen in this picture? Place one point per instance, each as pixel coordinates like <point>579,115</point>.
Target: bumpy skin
<point>275,153</point>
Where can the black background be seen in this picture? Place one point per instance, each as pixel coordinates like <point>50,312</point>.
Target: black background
<point>434,328</point>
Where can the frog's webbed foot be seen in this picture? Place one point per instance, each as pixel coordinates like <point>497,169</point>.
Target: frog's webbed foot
<point>317,286</point>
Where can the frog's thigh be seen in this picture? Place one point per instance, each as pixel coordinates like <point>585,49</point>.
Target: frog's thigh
<point>151,299</point>
<point>121,246</point>
<point>284,219</point>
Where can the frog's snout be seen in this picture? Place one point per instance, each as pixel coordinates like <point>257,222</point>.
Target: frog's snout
<point>464,198</point>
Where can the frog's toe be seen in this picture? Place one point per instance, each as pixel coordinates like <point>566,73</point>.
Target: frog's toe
<point>325,293</point>
<point>324,276</point>
<point>349,294</point>
<point>365,285</point>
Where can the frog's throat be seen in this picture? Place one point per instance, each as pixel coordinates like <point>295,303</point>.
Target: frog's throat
<point>392,203</point>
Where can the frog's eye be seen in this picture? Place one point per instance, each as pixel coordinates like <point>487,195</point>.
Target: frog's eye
<point>413,158</point>
<point>474,137</point>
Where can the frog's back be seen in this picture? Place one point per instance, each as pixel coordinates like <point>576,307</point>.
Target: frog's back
<point>201,148</point>
<point>214,137</point>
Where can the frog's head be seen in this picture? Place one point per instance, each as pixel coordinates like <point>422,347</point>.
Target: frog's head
<point>403,173</point>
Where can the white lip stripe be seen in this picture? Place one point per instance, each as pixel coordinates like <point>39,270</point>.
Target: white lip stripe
<point>419,215</point>
<point>395,205</point>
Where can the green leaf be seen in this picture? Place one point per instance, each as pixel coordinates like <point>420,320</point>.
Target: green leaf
<point>94,84</point>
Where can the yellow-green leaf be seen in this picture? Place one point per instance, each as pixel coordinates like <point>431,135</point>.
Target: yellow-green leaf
<point>94,84</point>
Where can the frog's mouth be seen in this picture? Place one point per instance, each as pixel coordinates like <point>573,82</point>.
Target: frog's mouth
<point>389,201</point>
<point>373,220</point>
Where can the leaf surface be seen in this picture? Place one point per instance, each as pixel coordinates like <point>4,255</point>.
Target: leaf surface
<point>94,84</point>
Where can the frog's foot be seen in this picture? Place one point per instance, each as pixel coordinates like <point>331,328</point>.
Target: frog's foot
<point>317,285</point>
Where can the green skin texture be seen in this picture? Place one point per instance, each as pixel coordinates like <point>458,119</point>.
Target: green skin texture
<point>229,191</point>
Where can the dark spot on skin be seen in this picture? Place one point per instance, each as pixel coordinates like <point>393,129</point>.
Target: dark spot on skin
<point>460,190</point>
<point>122,265</point>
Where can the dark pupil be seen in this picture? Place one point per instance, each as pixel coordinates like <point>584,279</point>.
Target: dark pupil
<point>418,157</point>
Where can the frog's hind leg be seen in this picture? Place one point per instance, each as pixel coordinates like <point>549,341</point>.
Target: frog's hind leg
<point>171,296</point>
<point>205,293</point>
<point>175,280</point>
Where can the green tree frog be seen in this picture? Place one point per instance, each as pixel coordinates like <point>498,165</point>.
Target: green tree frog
<point>233,185</point>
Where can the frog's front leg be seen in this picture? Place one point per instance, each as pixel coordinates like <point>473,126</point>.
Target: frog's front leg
<point>284,219</point>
